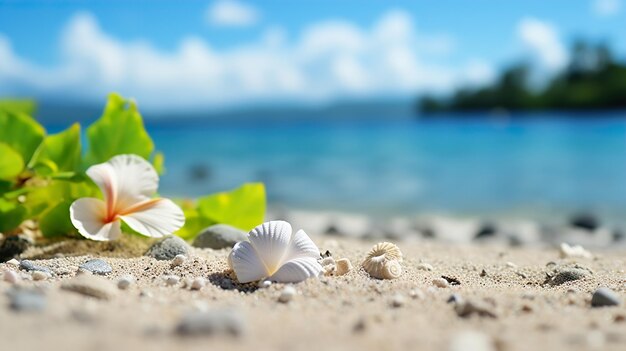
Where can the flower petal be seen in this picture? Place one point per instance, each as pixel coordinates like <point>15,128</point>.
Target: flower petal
<point>88,216</point>
<point>271,241</point>
<point>154,217</point>
<point>125,180</point>
<point>297,270</point>
<point>246,263</point>
<point>302,246</point>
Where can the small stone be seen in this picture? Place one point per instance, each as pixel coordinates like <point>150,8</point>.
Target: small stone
<point>574,251</point>
<point>90,285</point>
<point>585,221</point>
<point>11,277</point>
<point>168,248</point>
<point>39,275</point>
<point>604,297</point>
<point>343,266</point>
<point>440,283</point>
<point>264,284</point>
<point>287,294</point>
<point>218,322</point>
<point>454,298</point>
<point>172,280</point>
<point>425,267</point>
<point>13,262</point>
<point>398,300</point>
<point>30,266</point>
<point>468,308</point>
<point>568,274</point>
<point>327,261</point>
<point>227,284</point>
<point>219,236</point>
<point>26,300</point>
<point>511,265</point>
<point>416,294</point>
<point>13,246</point>
<point>97,266</point>
<point>198,283</point>
<point>126,281</point>
<point>178,260</point>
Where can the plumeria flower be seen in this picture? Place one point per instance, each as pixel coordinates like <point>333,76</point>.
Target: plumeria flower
<point>274,253</point>
<point>128,183</point>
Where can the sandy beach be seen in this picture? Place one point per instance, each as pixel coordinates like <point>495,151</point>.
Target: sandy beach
<point>505,300</point>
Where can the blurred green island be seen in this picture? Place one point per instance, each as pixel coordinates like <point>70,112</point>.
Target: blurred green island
<point>593,80</point>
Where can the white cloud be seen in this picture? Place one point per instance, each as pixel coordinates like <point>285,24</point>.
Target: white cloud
<point>327,61</point>
<point>543,41</point>
<point>232,13</point>
<point>606,8</point>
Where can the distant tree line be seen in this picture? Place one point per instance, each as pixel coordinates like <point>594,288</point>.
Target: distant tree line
<point>593,80</point>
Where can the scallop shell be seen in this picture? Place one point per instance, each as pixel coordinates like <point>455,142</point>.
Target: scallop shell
<point>383,261</point>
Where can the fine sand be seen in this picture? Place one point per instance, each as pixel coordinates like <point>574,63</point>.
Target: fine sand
<point>351,312</point>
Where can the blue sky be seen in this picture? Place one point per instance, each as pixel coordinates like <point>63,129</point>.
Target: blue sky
<point>224,53</point>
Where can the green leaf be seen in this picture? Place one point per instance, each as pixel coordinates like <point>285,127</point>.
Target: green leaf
<point>11,162</point>
<point>243,207</point>
<point>40,199</point>
<point>21,132</point>
<point>55,221</point>
<point>26,106</point>
<point>11,215</point>
<point>194,223</point>
<point>58,153</point>
<point>158,161</point>
<point>120,130</point>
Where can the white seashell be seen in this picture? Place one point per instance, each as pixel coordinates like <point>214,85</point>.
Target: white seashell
<point>383,261</point>
<point>573,251</point>
<point>273,252</point>
<point>343,266</point>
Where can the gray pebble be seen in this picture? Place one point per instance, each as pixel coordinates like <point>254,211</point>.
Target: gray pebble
<point>569,274</point>
<point>97,266</point>
<point>168,248</point>
<point>219,236</point>
<point>224,322</point>
<point>468,308</point>
<point>604,297</point>
<point>30,266</point>
<point>26,300</point>
<point>13,246</point>
<point>126,281</point>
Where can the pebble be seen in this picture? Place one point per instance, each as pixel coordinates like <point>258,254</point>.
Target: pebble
<point>264,284</point>
<point>168,248</point>
<point>126,281</point>
<point>398,300</point>
<point>11,277</point>
<point>218,322</point>
<point>13,262</point>
<point>425,267</point>
<point>574,251</point>
<point>568,274</point>
<point>416,294</point>
<point>440,283</point>
<point>26,300</point>
<point>198,283</point>
<point>604,297</point>
<point>39,275</point>
<point>178,260</point>
<point>97,266</point>
<point>172,280</point>
<point>13,246</point>
<point>30,266</point>
<point>454,298</point>
<point>91,285</point>
<point>287,294</point>
<point>472,341</point>
<point>343,266</point>
<point>511,265</point>
<point>468,308</point>
<point>327,261</point>
<point>219,236</point>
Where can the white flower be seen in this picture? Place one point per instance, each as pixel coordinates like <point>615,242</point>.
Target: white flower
<point>274,253</point>
<point>128,183</point>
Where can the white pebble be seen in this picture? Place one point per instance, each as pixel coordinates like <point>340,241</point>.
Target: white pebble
<point>440,283</point>
<point>178,260</point>
<point>125,281</point>
<point>416,294</point>
<point>573,251</point>
<point>13,262</point>
<point>264,284</point>
<point>11,277</point>
<point>398,300</point>
<point>198,283</point>
<point>287,294</point>
<point>39,275</point>
<point>511,265</point>
<point>425,266</point>
<point>172,279</point>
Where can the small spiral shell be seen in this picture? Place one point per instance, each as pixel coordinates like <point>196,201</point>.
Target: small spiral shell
<point>383,261</point>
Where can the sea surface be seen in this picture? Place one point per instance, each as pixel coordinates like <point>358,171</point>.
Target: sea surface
<point>534,164</point>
